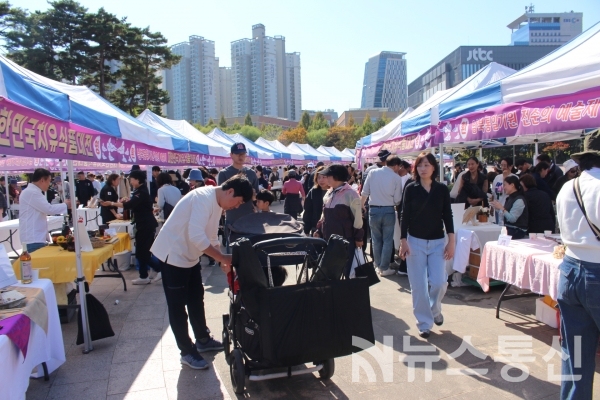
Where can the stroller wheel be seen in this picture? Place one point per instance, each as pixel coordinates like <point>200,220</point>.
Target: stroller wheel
<point>328,369</point>
<point>237,371</point>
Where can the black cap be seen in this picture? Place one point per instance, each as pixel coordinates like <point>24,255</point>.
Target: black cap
<point>337,171</point>
<point>238,148</point>
<point>383,154</point>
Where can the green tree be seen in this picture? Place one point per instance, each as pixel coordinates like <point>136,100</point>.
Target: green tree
<point>380,123</point>
<point>147,54</point>
<point>248,120</point>
<point>317,138</point>
<point>250,132</point>
<point>210,122</point>
<point>367,125</point>
<point>319,122</point>
<point>271,132</point>
<point>108,42</point>
<point>222,122</point>
<point>305,121</point>
<point>236,127</point>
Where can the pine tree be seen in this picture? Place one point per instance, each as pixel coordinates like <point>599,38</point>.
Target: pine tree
<point>248,120</point>
<point>223,122</point>
<point>305,121</point>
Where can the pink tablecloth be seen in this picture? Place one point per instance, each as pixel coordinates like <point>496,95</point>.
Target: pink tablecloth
<point>525,263</point>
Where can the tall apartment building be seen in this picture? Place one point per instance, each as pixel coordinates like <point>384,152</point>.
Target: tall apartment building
<point>259,73</point>
<point>193,84</point>
<point>385,82</point>
<point>225,92</point>
<point>545,29</point>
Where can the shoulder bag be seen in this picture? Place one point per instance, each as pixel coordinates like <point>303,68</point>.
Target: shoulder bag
<point>577,191</point>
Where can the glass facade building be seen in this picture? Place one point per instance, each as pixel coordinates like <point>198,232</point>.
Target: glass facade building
<point>467,60</point>
<point>385,82</point>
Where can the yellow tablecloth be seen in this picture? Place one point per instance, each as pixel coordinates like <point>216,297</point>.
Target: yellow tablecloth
<point>124,242</point>
<point>60,265</point>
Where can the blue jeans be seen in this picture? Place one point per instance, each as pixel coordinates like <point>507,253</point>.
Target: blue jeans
<point>579,303</point>
<point>31,247</point>
<point>428,279</point>
<point>382,221</point>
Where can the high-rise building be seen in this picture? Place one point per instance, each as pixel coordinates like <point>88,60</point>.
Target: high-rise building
<point>193,83</point>
<point>259,69</point>
<point>385,82</point>
<point>292,94</point>
<point>225,92</point>
<point>545,29</point>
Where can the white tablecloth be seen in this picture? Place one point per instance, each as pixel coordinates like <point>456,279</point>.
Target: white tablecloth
<point>91,217</point>
<point>14,371</point>
<point>11,227</point>
<point>472,237</point>
<point>122,226</point>
<point>527,264</point>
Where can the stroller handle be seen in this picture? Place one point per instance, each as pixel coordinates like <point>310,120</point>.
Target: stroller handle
<point>290,242</point>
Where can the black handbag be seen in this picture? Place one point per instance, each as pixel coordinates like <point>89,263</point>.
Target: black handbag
<point>366,270</point>
<point>99,322</point>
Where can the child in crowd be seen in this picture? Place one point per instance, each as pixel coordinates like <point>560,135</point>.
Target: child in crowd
<point>264,200</point>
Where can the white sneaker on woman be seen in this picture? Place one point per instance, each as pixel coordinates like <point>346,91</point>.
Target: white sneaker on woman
<point>157,278</point>
<point>140,281</point>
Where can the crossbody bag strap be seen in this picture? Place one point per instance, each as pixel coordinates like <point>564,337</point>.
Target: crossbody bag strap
<point>577,191</point>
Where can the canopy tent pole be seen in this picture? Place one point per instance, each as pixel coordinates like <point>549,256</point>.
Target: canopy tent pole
<point>80,277</point>
<point>514,155</point>
<point>6,184</point>
<point>481,153</point>
<point>119,187</point>
<point>149,178</point>
<point>441,162</point>
<point>63,176</point>
<point>536,151</point>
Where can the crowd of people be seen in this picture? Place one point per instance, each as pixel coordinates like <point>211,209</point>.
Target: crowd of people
<point>360,205</point>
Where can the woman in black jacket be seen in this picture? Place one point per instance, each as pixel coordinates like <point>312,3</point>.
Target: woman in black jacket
<point>143,218</point>
<point>539,204</point>
<point>313,205</point>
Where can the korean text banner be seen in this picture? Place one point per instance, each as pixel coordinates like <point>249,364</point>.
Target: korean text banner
<point>570,112</point>
<point>27,133</point>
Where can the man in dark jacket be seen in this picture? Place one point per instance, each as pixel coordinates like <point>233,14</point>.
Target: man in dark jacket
<point>539,204</point>
<point>554,173</point>
<point>84,189</point>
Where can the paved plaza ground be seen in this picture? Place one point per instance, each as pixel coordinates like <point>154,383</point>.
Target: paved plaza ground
<point>142,361</point>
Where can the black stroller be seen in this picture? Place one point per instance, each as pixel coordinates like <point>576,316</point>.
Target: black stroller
<point>287,326</point>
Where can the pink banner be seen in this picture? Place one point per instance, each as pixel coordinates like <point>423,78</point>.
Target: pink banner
<point>27,133</point>
<point>551,114</point>
<point>416,142</point>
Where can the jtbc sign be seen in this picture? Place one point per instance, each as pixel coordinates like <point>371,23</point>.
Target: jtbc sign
<point>480,55</point>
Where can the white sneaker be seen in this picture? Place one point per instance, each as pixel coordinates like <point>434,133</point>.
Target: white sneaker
<point>157,278</point>
<point>402,273</point>
<point>152,274</point>
<point>387,272</point>
<point>141,281</point>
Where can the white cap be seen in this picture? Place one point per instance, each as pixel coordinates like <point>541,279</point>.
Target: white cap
<point>310,165</point>
<point>569,164</point>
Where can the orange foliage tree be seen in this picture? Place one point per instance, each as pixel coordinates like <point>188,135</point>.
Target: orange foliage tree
<point>297,135</point>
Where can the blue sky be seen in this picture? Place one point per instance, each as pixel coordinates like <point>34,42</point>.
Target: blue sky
<point>335,38</point>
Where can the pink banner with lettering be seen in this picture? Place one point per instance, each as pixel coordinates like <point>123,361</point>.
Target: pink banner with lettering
<point>550,114</point>
<point>413,143</point>
<point>27,133</point>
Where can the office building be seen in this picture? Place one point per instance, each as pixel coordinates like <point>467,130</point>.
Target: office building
<point>193,83</point>
<point>259,72</point>
<point>385,82</point>
<point>464,62</point>
<point>545,29</point>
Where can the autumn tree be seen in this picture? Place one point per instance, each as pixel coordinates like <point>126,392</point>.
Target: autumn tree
<point>350,120</point>
<point>367,125</point>
<point>297,135</point>
<point>556,148</point>
<point>341,137</point>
